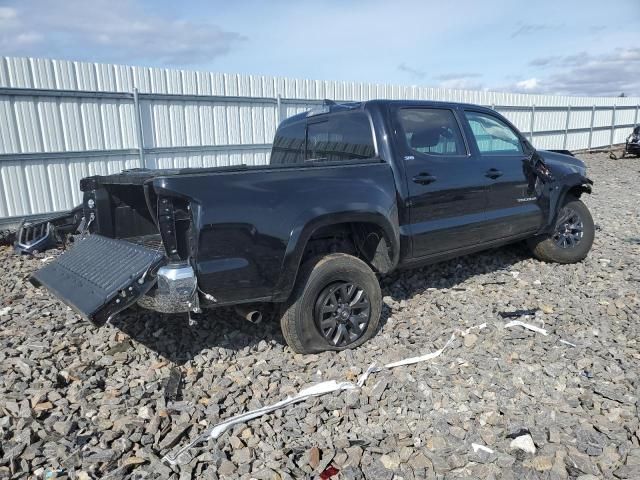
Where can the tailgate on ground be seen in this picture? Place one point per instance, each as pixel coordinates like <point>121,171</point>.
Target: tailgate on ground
<point>100,276</point>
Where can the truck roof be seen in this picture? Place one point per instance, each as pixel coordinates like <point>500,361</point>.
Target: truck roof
<point>330,106</point>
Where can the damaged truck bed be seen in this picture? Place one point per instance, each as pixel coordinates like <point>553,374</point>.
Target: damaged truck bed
<point>352,190</point>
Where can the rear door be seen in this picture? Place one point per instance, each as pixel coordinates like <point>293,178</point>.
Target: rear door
<point>446,184</point>
<point>512,203</point>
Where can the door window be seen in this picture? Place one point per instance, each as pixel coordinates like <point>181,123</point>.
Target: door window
<point>432,131</point>
<point>341,137</point>
<point>492,135</point>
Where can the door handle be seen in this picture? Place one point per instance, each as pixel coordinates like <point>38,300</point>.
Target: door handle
<point>493,173</point>
<point>424,179</point>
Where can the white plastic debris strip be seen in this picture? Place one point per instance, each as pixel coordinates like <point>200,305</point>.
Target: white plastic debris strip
<point>431,356</point>
<point>477,448</point>
<point>533,328</point>
<point>181,455</point>
<point>528,326</point>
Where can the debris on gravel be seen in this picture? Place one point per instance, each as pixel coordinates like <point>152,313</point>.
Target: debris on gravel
<point>81,402</point>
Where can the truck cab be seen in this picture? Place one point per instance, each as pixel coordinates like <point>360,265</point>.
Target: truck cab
<point>466,178</point>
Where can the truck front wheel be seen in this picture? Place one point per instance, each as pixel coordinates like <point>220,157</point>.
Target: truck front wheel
<point>335,305</point>
<point>572,237</point>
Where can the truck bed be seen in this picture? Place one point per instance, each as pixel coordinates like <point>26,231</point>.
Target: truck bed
<point>242,228</point>
<point>138,176</point>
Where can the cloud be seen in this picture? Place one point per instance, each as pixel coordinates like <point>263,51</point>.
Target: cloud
<point>28,38</point>
<point>545,61</point>
<point>561,61</point>
<point>414,72</point>
<point>530,84</point>
<point>7,13</point>
<point>529,28</point>
<point>113,31</point>
<point>452,76</point>
<point>586,74</point>
<point>460,81</point>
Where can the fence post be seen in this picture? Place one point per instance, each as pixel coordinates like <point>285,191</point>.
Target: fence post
<point>138,114</point>
<point>593,117</point>
<point>533,118</point>
<point>613,126</point>
<point>278,109</point>
<point>635,120</point>
<point>566,127</point>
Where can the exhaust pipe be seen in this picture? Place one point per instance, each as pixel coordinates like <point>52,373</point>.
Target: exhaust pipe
<point>248,312</point>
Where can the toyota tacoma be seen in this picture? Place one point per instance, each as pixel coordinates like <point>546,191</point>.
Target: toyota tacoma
<point>352,191</point>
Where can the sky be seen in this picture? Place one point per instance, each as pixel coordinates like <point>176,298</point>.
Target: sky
<point>587,47</point>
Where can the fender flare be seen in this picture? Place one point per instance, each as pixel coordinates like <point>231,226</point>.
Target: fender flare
<point>557,192</point>
<point>301,234</point>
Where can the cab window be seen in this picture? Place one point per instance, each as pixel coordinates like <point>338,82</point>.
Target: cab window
<point>340,137</point>
<point>432,131</point>
<point>288,144</point>
<point>493,135</point>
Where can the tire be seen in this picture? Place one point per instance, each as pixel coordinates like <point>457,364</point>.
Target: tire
<point>322,283</point>
<point>565,244</point>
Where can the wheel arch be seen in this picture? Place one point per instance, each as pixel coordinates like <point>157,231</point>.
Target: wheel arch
<point>375,236</point>
<point>574,184</point>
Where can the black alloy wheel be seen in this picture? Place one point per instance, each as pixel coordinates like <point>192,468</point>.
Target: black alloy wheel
<point>569,229</point>
<point>572,237</point>
<point>335,305</point>
<point>342,313</point>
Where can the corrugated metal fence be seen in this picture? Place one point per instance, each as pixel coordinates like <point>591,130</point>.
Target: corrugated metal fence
<point>62,120</point>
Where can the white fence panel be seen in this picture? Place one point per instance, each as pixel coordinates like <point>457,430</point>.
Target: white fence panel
<point>61,121</point>
<point>575,140</point>
<point>580,118</point>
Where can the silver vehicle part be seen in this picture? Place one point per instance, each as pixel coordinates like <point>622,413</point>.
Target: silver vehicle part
<point>248,312</point>
<point>175,291</point>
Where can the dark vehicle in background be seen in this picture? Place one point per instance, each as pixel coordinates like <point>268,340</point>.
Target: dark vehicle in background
<point>353,191</point>
<point>632,144</point>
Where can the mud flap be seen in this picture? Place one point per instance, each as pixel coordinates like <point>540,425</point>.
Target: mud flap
<point>100,276</point>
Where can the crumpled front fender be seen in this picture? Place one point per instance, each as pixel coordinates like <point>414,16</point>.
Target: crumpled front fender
<point>556,191</point>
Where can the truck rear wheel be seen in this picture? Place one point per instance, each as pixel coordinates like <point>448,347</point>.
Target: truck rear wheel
<point>572,237</point>
<point>335,305</point>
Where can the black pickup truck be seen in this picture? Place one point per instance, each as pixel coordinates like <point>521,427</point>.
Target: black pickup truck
<point>353,190</point>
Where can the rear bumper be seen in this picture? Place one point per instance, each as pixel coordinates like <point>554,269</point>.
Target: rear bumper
<point>176,290</point>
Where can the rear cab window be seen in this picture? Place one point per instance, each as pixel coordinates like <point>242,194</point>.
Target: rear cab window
<point>325,138</point>
<point>431,131</point>
<point>340,137</point>
<point>288,144</point>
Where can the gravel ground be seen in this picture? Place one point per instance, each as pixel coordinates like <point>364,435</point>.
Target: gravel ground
<point>110,402</point>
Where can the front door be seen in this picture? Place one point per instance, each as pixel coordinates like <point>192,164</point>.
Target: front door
<point>446,184</point>
<point>512,204</point>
